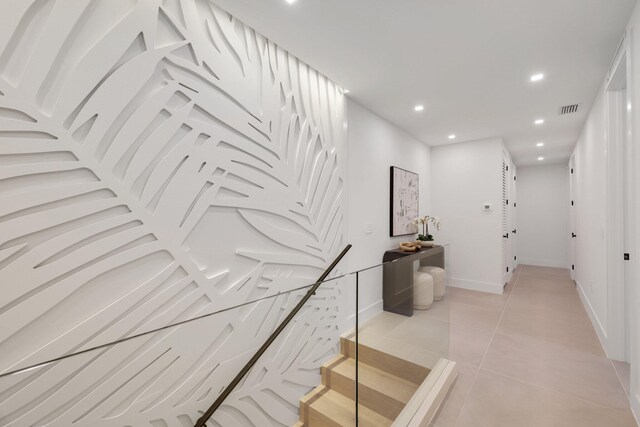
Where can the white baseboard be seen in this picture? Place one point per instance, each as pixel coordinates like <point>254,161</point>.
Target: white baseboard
<point>473,285</point>
<point>543,262</point>
<point>365,314</point>
<point>600,331</point>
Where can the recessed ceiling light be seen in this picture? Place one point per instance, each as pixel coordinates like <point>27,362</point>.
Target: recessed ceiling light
<point>537,77</point>
<point>539,121</point>
<point>540,158</point>
<point>540,144</point>
<point>290,1</point>
<point>452,136</point>
<point>419,107</point>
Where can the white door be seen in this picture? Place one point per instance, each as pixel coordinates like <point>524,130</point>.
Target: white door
<point>620,224</point>
<point>621,234</point>
<point>513,209</point>
<point>628,222</point>
<point>506,247</point>
<point>572,217</point>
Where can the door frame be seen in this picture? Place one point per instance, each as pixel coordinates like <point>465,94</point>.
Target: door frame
<point>617,142</point>
<point>633,123</point>
<point>508,223</point>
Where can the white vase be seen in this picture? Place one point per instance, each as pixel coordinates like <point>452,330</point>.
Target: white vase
<point>426,243</point>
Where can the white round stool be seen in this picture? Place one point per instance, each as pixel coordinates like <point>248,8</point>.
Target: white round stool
<point>422,291</point>
<point>439,281</point>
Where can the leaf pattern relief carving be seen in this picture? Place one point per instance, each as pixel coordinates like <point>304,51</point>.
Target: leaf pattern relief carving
<point>160,160</point>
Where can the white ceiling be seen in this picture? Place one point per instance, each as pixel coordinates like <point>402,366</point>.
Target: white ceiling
<point>468,61</point>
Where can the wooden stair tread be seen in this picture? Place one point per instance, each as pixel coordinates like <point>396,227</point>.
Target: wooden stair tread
<point>376,379</point>
<point>396,366</point>
<point>335,409</point>
<point>386,384</point>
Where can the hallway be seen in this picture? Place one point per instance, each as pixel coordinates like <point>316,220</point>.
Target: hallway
<point>531,358</point>
<point>198,199</point>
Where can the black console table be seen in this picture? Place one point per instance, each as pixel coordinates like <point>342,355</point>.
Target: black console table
<point>397,278</point>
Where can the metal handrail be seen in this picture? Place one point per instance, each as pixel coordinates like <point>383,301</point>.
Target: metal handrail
<point>202,421</point>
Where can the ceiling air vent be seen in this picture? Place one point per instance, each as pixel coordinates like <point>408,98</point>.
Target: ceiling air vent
<point>569,109</point>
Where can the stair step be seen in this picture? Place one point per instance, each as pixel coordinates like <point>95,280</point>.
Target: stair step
<point>378,390</point>
<point>308,399</point>
<point>394,365</point>
<point>333,409</point>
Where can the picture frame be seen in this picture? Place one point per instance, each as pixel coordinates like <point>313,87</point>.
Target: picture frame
<point>404,202</point>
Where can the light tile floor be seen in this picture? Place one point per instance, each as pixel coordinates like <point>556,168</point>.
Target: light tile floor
<point>529,357</point>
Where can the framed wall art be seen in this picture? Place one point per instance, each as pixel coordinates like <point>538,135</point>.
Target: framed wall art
<point>404,202</point>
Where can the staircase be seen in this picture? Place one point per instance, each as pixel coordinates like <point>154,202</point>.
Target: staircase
<point>386,384</point>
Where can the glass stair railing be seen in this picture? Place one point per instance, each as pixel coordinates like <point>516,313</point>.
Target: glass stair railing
<point>312,355</point>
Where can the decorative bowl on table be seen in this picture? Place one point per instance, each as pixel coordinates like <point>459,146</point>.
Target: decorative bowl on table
<point>410,246</point>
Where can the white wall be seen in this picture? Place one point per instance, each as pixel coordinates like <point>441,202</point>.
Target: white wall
<point>591,215</point>
<point>464,176</point>
<point>601,294</point>
<point>543,215</point>
<point>374,145</point>
<point>160,161</point>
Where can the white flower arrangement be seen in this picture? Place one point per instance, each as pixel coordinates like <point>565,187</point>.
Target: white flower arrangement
<point>424,221</point>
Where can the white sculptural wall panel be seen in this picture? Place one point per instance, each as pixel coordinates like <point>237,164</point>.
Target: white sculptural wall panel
<point>159,160</point>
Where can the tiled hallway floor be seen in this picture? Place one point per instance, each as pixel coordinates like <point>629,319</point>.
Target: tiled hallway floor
<point>529,357</point>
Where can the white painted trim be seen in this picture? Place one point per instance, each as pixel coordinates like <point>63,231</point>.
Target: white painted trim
<point>544,262</point>
<point>365,314</point>
<point>633,86</point>
<point>473,285</point>
<point>434,400</point>
<point>615,108</point>
<point>426,401</point>
<point>595,321</point>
